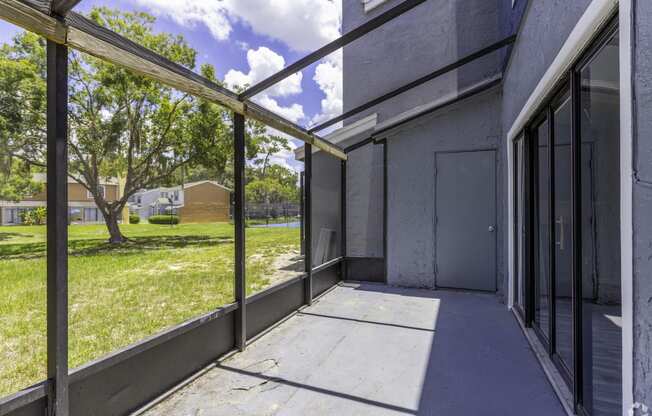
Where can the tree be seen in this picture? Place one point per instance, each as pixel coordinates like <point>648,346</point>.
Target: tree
<point>122,124</point>
<point>22,115</point>
<point>277,185</point>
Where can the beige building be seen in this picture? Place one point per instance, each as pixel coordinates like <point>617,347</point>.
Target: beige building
<point>81,206</point>
<point>195,202</point>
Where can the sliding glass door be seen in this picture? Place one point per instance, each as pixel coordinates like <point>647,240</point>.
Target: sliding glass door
<point>562,229</point>
<point>567,228</point>
<point>601,312</point>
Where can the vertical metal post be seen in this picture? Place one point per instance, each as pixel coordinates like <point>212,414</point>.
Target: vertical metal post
<point>307,186</point>
<point>57,228</point>
<point>343,218</point>
<point>576,236</point>
<point>385,212</point>
<point>239,221</point>
<point>302,217</point>
<point>552,245</point>
<point>530,146</point>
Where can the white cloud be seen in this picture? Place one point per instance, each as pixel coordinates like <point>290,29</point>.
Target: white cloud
<point>189,13</point>
<point>303,25</point>
<point>264,62</point>
<point>329,78</point>
<point>294,112</point>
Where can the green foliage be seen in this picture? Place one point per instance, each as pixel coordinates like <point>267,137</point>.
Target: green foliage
<point>22,115</point>
<point>122,124</point>
<point>36,216</point>
<point>164,219</point>
<point>273,185</point>
<point>134,219</point>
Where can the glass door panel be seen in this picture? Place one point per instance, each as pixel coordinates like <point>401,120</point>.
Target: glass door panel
<point>601,292</point>
<point>542,240</point>
<point>563,264</point>
<point>520,224</point>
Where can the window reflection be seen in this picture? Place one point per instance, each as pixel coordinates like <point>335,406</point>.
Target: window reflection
<point>602,309</point>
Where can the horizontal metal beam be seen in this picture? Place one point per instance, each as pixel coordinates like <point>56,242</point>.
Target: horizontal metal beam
<point>479,88</point>
<point>435,74</point>
<point>332,47</point>
<point>85,35</point>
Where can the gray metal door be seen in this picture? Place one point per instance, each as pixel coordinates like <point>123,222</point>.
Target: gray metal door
<point>465,230</point>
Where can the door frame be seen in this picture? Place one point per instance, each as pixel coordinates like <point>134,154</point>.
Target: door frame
<point>594,35</point>
<point>496,216</point>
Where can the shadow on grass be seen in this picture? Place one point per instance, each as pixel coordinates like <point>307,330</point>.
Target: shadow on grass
<point>8,236</point>
<point>135,245</point>
<point>297,265</point>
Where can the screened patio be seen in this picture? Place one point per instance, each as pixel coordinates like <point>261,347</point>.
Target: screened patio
<point>329,337</point>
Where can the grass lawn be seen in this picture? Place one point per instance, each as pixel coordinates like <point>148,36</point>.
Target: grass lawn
<point>118,295</point>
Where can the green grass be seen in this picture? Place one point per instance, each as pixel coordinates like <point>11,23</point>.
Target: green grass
<point>121,294</point>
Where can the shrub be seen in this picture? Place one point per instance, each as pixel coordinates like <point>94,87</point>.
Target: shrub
<point>164,219</point>
<point>134,219</point>
<point>35,216</point>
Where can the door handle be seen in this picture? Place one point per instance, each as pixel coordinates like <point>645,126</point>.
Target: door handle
<point>560,222</point>
<point>492,228</point>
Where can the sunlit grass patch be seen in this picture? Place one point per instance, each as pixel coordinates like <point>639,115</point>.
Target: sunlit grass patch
<point>119,295</point>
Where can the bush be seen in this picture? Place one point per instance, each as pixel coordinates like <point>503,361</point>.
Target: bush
<point>134,219</point>
<point>35,216</point>
<point>164,219</point>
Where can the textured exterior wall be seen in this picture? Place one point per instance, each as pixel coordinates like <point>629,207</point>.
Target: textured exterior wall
<point>326,200</point>
<point>426,38</point>
<point>364,202</point>
<point>205,202</point>
<point>470,125</point>
<point>545,28</point>
<point>642,195</point>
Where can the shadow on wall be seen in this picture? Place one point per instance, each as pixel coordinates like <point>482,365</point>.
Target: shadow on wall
<point>478,24</point>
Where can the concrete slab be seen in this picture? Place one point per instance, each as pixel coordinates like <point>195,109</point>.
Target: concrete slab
<point>366,349</point>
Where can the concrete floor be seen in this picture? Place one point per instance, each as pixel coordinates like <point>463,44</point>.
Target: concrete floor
<point>376,350</point>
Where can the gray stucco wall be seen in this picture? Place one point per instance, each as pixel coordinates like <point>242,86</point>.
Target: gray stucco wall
<point>364,210</point>
<point>642,209</point>
<point>545,28</point>
<point>326,201</point>
<point>473,124</point>
<point>428,37</point>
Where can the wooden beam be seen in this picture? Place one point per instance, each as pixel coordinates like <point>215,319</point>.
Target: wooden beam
<point>85,35</point>
<point>265,116</point>
<point>32,19</point>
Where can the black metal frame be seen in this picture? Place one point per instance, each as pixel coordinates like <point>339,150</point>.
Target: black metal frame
<point>307,227</point>
<point>192,345</point>
<point>57,228</point>
<point>569,85</point>
<point>62,7</point>
<point>431,76</point>
<point>239,222</point>
<point>339,43</point>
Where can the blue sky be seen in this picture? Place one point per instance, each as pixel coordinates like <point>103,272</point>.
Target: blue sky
<point>247,40</point>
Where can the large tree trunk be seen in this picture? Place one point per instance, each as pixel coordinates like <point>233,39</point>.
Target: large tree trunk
<point>115,236</point>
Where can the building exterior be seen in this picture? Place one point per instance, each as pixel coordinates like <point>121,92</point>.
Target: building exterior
<point>81,206</point>
<point>524,173</point>
<point>195,202</point>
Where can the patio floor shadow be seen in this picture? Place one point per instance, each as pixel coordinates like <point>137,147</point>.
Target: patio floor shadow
<point>368,349</point>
